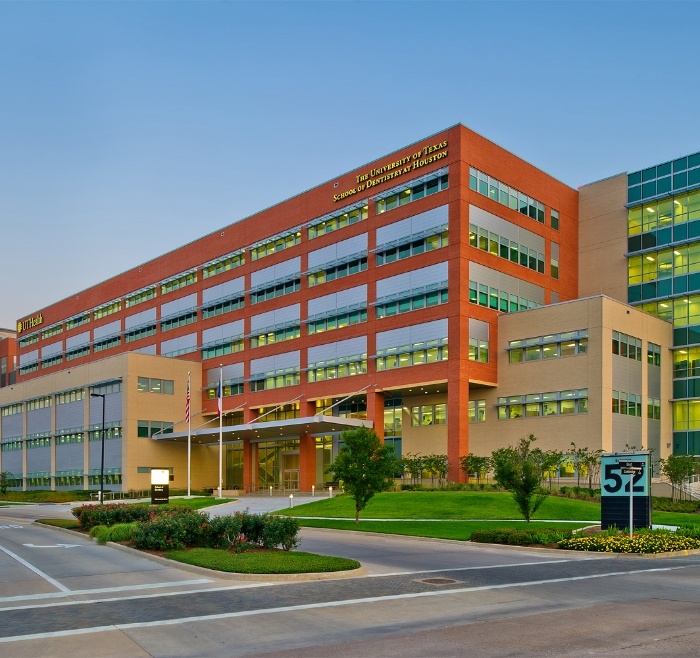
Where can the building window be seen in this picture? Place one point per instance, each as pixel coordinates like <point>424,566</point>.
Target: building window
<point>12,409</point>
<point>412,192</point>
<point>41,442</point>
<point>627,404</point>
<point>505,195</point>
<point>148,385</point>
<point>275,379</point>
<point>107,389</point>
<point>277,290</point>
<point>181,321</point>
<point>275,336</point>
<point>69,438</point>
<point>654,354</point>
<point>569,343</point>
<point>52,361</point>
<point>338,271</point>
<point>627,346</point>
<point>477,411</point>
<point>223,307</point>
<point>77,321</point>
<point>653,408</point>
<point>107,309</point>
<point>147,428</point>
<point>337,221</point>
<point>39,403</point>
<point>140,297</point>
<point>429,414</point>
<point>137,334</point>
<point>52,331</point>
<point>275,244</point>
<point>112,477</point>
<point>231,387</point>
<point>223,265</point>
<point>554,403</point>
<point>11,446</point>
<point>30,367</point>
<point>114,431</point>
<point>554,219</point>
<point>346,367</point>
<point>78,352</point>
<point>67,397</point>
<point>478,350</point>
<point>412,355</point>
<point>413,248</point>
<point>178,282</point>
<point>337,321</point>
<point>485,240</point>
<point>28,340</point>
<point>499,300</point>
<point>411,303</point>
<point>221,349</point>
<point>107,344</point>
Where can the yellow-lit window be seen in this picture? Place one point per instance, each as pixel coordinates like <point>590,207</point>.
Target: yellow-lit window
<point>634,270</point>
<point>634,221</point>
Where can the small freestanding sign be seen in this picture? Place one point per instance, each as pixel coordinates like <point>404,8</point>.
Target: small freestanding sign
<point>626,490</point>
<point>160,486</point>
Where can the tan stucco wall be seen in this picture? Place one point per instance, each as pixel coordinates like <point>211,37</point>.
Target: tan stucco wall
<point>603,238</point>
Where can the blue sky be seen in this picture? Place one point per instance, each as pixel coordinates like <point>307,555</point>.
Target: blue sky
<point>130,128</point>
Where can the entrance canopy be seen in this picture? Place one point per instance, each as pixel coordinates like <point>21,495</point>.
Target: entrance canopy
<point>291,428</point>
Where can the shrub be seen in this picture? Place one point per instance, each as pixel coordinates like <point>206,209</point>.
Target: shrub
<point>90,516</point>
<point>281,531</point>
<point>118,532</point>
<point>649,541</point>
<point>173,528</point>
<point>225,532</point>
<point>520,537</point>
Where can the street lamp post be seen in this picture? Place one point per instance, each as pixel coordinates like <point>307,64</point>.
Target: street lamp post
<point>102,459</point>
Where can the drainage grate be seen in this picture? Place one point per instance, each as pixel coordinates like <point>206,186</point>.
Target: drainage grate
<point>437,581</point>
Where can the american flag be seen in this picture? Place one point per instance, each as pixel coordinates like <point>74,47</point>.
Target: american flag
<point>187,400</point>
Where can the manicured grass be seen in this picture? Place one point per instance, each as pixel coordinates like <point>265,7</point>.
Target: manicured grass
<point>46,496</point>
<point>262,562</point>
<point>200,502</point>
<point>69,524</point>
<point>447,505</point>
<point>674,518</point>
<point>460,530</point>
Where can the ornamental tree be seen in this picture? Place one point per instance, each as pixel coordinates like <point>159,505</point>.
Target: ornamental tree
<point>364,465</point>
<point>518,469</point>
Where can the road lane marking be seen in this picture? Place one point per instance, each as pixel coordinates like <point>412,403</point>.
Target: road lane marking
<point>38,572</point>
<point>327,604</point>
<point>53,545</point>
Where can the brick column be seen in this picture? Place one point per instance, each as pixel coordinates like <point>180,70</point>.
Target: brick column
<point>375,411</point>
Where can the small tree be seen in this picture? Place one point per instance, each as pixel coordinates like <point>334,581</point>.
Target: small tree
<point>471,464</point>
<point>436,465</point>
<point>5,478</point>
<point>677,468</point>
<point>413,465</point>
<point>590,459</point>
<point>364,465</point>
<point>518,470</point>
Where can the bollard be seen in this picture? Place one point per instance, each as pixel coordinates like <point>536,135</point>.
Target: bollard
<point>330,492</point>
<point>291,500</point>
<point>270,492</point>
<point>313,490</point>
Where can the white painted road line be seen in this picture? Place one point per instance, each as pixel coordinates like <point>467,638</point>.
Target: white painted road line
<point>312,606</point>
<point>38,572</point>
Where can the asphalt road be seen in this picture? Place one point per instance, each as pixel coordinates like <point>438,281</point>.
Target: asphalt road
<point>418,598</point>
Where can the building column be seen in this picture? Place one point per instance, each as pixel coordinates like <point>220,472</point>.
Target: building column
<point>375,411</point>
<point>307,462</point>
<point>248,467</point>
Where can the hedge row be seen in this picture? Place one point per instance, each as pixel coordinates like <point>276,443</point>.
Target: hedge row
<point>169,528</point>
<point>519,537</point>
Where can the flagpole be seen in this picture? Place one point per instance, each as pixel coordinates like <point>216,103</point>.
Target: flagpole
<point>221,430</point>
<point>189,441</point>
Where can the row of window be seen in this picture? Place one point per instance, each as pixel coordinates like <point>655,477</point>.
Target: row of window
<point>507,196</point>
<point>337,221</point>
<point>275,244</point>
<point>481,238</point>
<point>627,404</point>
<point>499,300</point>
<point>412,192</point>
<point>413,248</point>
<point>62,439</point>
<point>152,385</point>
<point>429,414</point>
<point>555,403</point>
<point>412,355</point>
<point>140,297</point>
<point>568,343</point>
<point>147,428</point>
<point>338,271</point>
<point>319,373</point>
<point>276,336</point>
<point>686,362</point>
<point>627,346</point>
<point>411,303</point>
<point>663,264</point>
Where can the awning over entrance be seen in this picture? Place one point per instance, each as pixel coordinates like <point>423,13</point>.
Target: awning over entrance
<point>275,430</point>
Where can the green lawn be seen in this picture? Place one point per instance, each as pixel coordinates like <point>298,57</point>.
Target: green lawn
<point>447,505</point>
<point>461,530</point>
<point>262,562</point>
